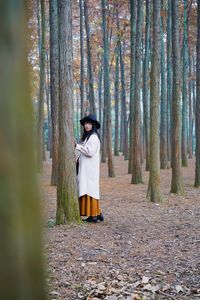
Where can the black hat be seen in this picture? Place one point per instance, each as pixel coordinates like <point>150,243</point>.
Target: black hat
<point>90,118</point>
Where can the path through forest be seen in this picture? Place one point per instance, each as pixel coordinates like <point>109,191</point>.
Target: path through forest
<point>141,251</point>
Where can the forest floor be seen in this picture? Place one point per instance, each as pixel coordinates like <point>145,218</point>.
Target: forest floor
<point>141,251</point>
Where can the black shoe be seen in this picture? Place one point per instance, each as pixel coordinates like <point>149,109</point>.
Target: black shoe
<point>100,218</point>
<point>89,219</point>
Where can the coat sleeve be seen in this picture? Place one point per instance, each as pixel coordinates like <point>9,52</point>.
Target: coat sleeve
<point>91,146</point>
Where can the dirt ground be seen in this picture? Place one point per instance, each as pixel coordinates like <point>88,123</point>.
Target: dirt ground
<point>141,251</point>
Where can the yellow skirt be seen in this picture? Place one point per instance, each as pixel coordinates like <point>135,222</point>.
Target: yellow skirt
<point>89,206</point>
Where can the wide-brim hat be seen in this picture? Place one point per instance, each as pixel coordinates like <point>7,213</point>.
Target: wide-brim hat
<point>90,118</point>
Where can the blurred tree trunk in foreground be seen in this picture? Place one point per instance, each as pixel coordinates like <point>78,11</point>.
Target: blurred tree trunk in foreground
<point>21,265</point>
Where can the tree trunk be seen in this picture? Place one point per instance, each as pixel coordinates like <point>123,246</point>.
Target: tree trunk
<point>67,199</point>
<point>116,147</point>
<point>137,168</point>
<point>89,57</point>
<point>100,77</point>
<point>176,183</point>
<point>123,104</point>
<point>107,98</point>
<point>42,91</point>
<point>146,85</point>
<point>169,81</point>
<point>184,89</point>
<point>22,276</point>
<point>154,176</point>
<point>104,135</point>
<point>133,9</point>
<point>197,117</point>
<point>190,146</point>
<point>54,85</point>
<point>163,120</point>
<point>47,89</point>
<point>82,86</point>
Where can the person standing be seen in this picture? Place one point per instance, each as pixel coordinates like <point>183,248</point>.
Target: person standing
<point>88,170</point>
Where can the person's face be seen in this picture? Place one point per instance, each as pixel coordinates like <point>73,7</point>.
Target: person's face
<point>88,126</point>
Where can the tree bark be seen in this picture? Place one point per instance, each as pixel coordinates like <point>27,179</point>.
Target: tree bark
<point>21,263</point>
<point>197,116</point>
<point>154,176</point>
<point>190,146</point>
<point>133,9</point>
<point>176,183</point>
<point>146,85</point>
<point>47,90</point>
<point>82,85</point>
<point>169,81</point>
<point>116,147</point>
<point>54,85</point>
<point>163,120</point>
<point>100,78</point>
<point>184,89</point>
<point>89,57</point>
<point>67,199</point>
<point>107,98</point>
<point>137,168</point>
<point>40,140</point>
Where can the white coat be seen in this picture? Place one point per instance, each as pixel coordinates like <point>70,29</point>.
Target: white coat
<point>89,164</point>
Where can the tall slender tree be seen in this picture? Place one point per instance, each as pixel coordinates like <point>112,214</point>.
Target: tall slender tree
<point>107,99</point>
<point>185,88</point>
<point>137,168</point>
<point>116,147</point>
<point>176,183</point>
<point>123,103</point>
<point>40,140</point>
<point>133,10</point>
<point>47,93</point>
<point>197,116</point>
<point>22,276</point>
<point>89,60</point>
<point>146,84</point>
<point>54,85</point>
<point>190,142</point>
<point>163,120</point>
<point>154,176</point>
<point>82,86</point>
<point>100,79</point>
<point>123,125</point>
<point>169,80</point>
<point>67,199</point>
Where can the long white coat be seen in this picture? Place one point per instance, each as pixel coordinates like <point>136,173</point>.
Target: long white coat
<point>89,164</point>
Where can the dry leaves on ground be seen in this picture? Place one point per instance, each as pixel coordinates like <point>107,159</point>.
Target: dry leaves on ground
<point>141,251</point>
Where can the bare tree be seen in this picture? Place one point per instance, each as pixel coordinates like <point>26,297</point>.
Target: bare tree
<point>67,198</point>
